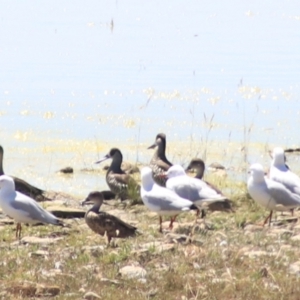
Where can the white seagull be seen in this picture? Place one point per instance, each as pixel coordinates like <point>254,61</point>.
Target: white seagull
<point>280,172</point>
<point>162,200</point>
<point>22,208</point>
<point>193,189</point>
<point>269,193</point>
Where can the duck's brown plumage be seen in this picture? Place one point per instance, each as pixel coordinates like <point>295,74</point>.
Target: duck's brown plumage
<point>22,186</point>
<point>104,223</point>
<point>159,162</point>
<point>117,180</point>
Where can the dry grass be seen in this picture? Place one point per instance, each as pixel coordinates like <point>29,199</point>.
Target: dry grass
<point>230,260</point>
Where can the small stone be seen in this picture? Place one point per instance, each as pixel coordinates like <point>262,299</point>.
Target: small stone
<point>196,266</point>
<point>37,240</point>
<point>91,296</point>
<point>223,243</point>
<point>112,281</point>
<point>156,247</point>
<point>294,268</point>
<point>39,253</point>
<point>142,280</point>
<point>32,289</point>
<point>95,251</point>
<point>67,170</point>
<point>253,227</point>
<point>257,253</point>
<point>177,238</point>
<point>66,212</point>
<point>133,272</point>
<point>295,237</point>
<point>264,272</point>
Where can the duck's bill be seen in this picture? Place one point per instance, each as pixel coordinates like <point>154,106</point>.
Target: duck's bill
<point>152,146</point>
<point>102,159</point>
<point>188,169</point>
<point>86,201</point>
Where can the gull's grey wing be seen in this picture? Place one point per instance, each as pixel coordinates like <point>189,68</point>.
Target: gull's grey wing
<point>282,195</point>
<point>192,189</point>
<point>168,201</point>
<point>32,209</point>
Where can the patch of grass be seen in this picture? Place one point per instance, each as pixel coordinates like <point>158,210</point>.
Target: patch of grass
<point>231,261</point>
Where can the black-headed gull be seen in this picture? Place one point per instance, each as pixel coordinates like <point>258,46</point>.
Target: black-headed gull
<point>193,189</point>
<point>269,193</point>
<point>280,172</point>
<point>22,208</point>
<point>162,200</point>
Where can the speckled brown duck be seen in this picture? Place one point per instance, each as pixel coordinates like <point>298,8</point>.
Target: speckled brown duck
<point>117,180</point>
<point>104,223</point>
<point>22,186</point>
<point>159,163</point>
<point>198,165</point>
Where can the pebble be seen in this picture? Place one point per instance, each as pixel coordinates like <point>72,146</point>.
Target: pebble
<point>38,240</point>
<point>91,296</point>
<point>294,268</point>
<point>133,272</point>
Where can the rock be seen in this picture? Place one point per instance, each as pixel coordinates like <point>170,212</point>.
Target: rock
<point>253,227</point>
<point>295,237</point>
<point>216,166</point>
<point>38,240</point>
<point>91,296</point>
<point>177,238</point>
<point>257,253</point>
<point>66,212</point>
<point>6,221</point>
<point>67,170</point>
<point>39,253</point>
<point>156,247</point>
<point>152,293</point>
<point>32,289</point>
<point>294,268</point>
<point>95,251</point>
<point>133,272</point>
<point>112,281</point>
<point>223,243</point>
<point>285,221</point>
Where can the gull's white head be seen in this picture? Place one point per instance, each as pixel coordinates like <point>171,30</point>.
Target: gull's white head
<point>6,182</point>
<point>257,172</point>
<point>146,177</point>
<point>175,171</point>
<point>278,156</point>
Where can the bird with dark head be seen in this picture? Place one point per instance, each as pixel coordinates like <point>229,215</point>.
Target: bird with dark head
<point>159,163</point>
<point>198,165</point>
<point>22,186</point>
<point>117,180</point>
<point>104,223</point>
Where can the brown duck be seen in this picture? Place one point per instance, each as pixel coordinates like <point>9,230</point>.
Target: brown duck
<point>22,186</point>
<point>159,163</point>
<point>198,165</point>
<point>117,180</point>
<point>104,223</point>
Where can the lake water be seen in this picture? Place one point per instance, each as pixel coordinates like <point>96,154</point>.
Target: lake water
<point>77,78</point>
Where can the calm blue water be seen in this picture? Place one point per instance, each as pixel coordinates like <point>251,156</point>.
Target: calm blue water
<point>73,70</point>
